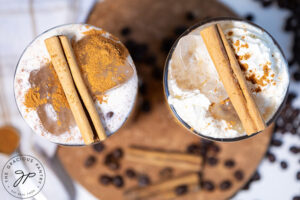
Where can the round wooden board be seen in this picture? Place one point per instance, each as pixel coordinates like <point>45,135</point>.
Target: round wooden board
<point>151,22</point>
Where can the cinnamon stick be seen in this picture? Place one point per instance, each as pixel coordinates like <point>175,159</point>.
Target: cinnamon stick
<point>83,91</point>
<point>232,78</point>
<point>162,187</point>
<point>61,67</point>
<point>163,158</point>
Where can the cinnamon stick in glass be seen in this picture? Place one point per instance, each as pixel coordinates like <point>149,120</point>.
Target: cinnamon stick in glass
<point>61,67</point>
<point>232,78</point>
<point>81,87</point>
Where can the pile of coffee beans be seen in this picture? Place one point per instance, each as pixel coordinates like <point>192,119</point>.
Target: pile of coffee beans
<point>112,159</point>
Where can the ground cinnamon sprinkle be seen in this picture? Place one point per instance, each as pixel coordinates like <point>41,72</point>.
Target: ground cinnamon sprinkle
<point>102,61</point>
<point>33,98</point>
<point>54,96</point>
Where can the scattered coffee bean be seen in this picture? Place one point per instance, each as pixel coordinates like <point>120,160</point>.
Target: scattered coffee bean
<point>157,73</point>
<point>208,185</point>
<point>298,176</point>
<point>167,44</point>
<point>212,161</point>
<point>190,16</point>
<point>143,88</point>
<point>166,173</point>
<point>247,186</point>
<point>118,153</point>
<point>130,173</point>
<point>276,142</point>
<point>138,51</point>
<point>256,176</point>
<point>143,180</point>
<point>294,149</point>
<point>146,106</point>
<point>229,163</point>
<point>179,30</point>
<point>114,165</point>
<point>296,76</point>
<point>90,161</point>
<point>215,148</point>
<point>105,179</point>
<point>249,17</point>
<point>125,31</point>
<point>193,149</point>
<point>118,181</point>
<point>225,185</point>
<point>239,175</point>
<point>181,190</point>
<point>283,164</point>
<point>296,198</point>
<point>110,114</point>
<point>99,147</point>
<point>150,59</point>
<point>109,158</point>
<point>271,157</point>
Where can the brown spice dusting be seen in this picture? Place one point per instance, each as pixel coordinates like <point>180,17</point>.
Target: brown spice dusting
<point>262,81</point>
<point>244,57</point>
<point>33,98</point>
<point>102,61</point>
<point>258,89</point>
<point>237,43</point>
<point>230,33</point>
<point>245,45</point>
<point>244,66</point>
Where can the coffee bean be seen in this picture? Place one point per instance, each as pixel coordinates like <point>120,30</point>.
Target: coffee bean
<point>143,180</point>
<point>208,185</point>
<point>130,173</point>
<point>105,179</point>
<point>181,190</point>
<point>118,153</point>
<point>150,59</point>
<point>166,173</point>
<point>146,106</point>
<point>90,161</point>
<point>212,161</point>
<point>118,181</point>
<point>225,185</point>
<point>110,114</point>
<point>249,17</point>
<point>193,149</point>
<point>143,88</point>
<point>138,51</point>
<point>283,164</point>
<point>157,73</point>
<point>125,31</point>
<point>99,147</point>
<point>296,76</point>
<point>256,176</point>
<point>298,176</point>
<point>215,148</point>
<point>109,158</point>
<point>190,16</point>
<point>179,30</point>
<point>247,186</point>
<point>114,165</point>
<point>294,149</point>
<point>239,175</point>
<point>276,143</point>
<point>167,44</point>
<point>266,3</point>
<point>296,198</point>
<point>271,157</point>
<point>229,163</point>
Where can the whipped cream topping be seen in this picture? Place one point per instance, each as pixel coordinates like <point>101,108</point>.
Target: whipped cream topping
<point>194,83</point>
<point>119,100</point>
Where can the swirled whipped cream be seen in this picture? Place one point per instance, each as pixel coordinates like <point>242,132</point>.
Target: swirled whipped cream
<point>197,93</point>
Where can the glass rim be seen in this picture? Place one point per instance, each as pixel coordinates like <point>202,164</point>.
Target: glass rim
<point>15,99</point>
<point>166,88</point>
